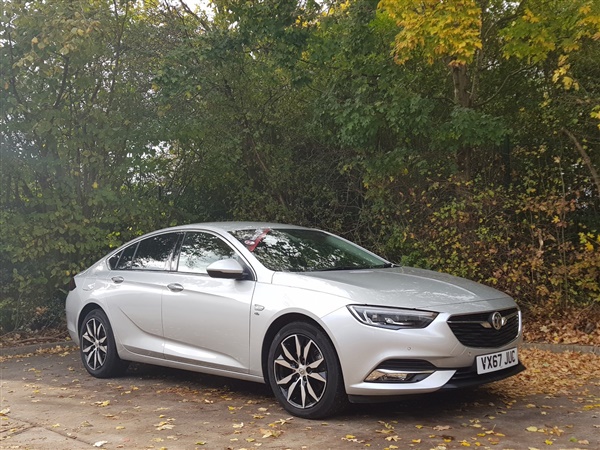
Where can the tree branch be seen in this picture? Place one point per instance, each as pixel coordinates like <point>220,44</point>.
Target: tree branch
<point>63,84</point>
<point>586,158</point>
<point>508,77</point>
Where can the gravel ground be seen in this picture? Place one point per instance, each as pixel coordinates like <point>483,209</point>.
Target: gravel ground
<point>48,401</point>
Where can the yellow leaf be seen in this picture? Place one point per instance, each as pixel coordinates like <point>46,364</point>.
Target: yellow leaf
<point>532,429</point>
<point>270,433</point>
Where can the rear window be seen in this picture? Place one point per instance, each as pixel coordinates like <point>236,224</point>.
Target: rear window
<point>154,253</point>
<point>122,260</point>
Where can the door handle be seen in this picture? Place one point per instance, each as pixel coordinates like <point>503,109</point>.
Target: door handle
<point>118,280</point>
<point>175,287</point>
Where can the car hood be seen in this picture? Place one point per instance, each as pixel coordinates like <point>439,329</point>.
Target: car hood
<point>400,287</point>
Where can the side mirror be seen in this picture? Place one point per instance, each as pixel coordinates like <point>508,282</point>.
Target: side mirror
<point>226,268</point>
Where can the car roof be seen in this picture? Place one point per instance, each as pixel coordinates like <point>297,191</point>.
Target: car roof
<point>232,226</point>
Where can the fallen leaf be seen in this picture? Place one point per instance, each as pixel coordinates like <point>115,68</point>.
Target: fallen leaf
<point>270,433</point>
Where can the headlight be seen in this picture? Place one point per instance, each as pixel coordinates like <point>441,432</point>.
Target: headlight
<point>392,318</point>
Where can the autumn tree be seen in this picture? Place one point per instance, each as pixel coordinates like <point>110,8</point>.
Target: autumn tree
<point>77,124</point>
<point>474,38</point>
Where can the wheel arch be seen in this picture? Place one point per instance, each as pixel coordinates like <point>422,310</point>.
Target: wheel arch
<point>84,312</point>
<point>274,328</point>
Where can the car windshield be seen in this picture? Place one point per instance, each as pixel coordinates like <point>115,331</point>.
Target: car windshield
<point>304,250</point>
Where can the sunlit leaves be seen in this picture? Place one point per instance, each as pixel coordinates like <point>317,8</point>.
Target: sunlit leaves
<point>544,27</point>
<point>434,30</point>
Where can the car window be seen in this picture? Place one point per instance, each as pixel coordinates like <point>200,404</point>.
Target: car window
<point>300,250</point>
<point>199,250</point>
<point>154,253</point>
<point>122,260</point>
<point>114,260</point>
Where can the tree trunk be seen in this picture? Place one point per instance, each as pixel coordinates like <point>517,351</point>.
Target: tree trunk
<point>462,98</point>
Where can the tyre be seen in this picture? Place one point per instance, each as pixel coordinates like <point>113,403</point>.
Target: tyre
<point>304,372</point>
<point>97,347</point>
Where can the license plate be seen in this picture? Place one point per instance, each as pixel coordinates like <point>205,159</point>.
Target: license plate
<point>497,361</point>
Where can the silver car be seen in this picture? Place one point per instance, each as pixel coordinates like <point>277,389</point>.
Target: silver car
<point>318,318</point>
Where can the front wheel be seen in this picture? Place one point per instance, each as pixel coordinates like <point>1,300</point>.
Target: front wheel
<point>304,372</point>
<point>97,346</point>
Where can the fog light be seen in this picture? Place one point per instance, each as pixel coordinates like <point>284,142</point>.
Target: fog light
<point>394,376</point>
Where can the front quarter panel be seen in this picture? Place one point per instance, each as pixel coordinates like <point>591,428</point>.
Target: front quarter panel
<point>272,302</point>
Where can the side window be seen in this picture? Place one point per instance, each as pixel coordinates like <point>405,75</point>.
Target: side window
<point>114,260</point>
<point>125,257</point>
<point>199,250</point>
<point>154,253</point>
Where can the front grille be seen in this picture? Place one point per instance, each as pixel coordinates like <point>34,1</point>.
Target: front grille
<point>475,330</point>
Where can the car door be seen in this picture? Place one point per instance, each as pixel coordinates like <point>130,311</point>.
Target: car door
<point>136,284</point>
<point>206,321</point>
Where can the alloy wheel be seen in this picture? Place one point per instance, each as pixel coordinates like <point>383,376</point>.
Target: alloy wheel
<point>300,371</point>
<point>94,345</point>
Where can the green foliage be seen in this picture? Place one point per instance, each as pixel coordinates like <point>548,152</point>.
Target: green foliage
<point>477,155</point>
<point>75,146</point>
<point>529,240</point>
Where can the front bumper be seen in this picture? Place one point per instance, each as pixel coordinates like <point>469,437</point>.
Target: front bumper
<point>435,354</point>
<point>460,380</point>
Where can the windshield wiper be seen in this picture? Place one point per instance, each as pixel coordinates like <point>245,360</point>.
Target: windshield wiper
<point>377,266</point>
<point>329,269</point>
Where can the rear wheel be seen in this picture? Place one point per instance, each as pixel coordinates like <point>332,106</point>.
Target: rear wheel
<point>97,347</point>
<point>304,372</point>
